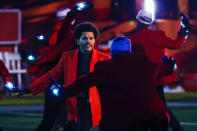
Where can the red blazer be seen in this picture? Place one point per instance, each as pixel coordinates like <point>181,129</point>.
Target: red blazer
<point>63,42</point>
<point>67,68</point>
<point>154,43</point>
<point>125,84</point>
<point>4,72</point>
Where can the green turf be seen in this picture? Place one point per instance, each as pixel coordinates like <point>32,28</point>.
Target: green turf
<point>38,100</point>
<point>186,114</point>
<point>21,123</point>
<point>24,100</point>
<point>191,96</point>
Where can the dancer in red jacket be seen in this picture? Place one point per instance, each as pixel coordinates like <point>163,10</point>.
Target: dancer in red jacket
<point>63,42</point>
<point>60,41</point>
<point>85,109</point>
<point>49,57</point>
<point>128,99</point>
<point>154,43</point>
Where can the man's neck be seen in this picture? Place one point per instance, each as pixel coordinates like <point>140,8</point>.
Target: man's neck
<point>85,53</point>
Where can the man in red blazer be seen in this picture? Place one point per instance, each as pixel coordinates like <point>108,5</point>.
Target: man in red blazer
<point>85,109</point>
<point>154,43</point>
<point>128,99</point>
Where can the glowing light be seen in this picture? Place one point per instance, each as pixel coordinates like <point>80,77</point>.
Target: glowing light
<point>175,67</point>
<point>55,90</point>
<point>81,6</point>
<point>41,37</point>
<point>84,6</point>
<point>31,57</point>
<point>9,85</point>
<point>149,5</point>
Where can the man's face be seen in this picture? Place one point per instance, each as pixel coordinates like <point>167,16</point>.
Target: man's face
<point>86,42</point>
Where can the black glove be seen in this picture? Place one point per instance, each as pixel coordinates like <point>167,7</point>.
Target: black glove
<point>10,87</point>
<point>185,21</point>
<point>169,61</point>
<point>71,14</point>
<point>23,91</point>
<point>184,32</point>
<point>185,25</point>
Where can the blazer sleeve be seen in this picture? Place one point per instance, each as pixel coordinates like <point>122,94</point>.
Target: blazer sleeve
<point>65,27</point>
<point>42,83</point>
<point>86,81</point>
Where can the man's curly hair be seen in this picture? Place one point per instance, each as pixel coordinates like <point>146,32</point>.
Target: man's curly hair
<point>85,27</point>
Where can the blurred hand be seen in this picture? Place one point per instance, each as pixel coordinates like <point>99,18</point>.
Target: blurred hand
<point>184,32</point>
<point>185,26</point>
<point>169,61</point>
<point>23,91</point>
<point>56,88</point>
<point>10,87</point>
<point>82,7</point>
<point>184,21</point>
